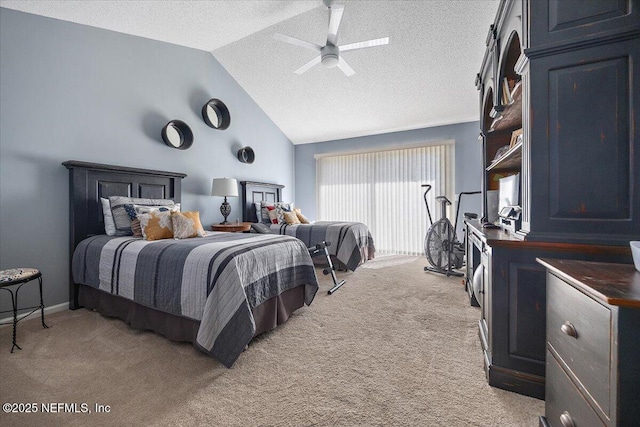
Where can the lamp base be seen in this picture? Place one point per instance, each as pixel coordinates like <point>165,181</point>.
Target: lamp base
<point>225,210</point>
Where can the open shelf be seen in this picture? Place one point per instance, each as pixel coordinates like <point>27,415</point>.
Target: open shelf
<point>512,159</point>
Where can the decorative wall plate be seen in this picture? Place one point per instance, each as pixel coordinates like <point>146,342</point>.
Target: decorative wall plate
<point>215,114</point>
<point>246,155</point>
<point>177,134</point>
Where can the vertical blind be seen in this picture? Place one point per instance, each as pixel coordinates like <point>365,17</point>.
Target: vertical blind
<point>383,190</point>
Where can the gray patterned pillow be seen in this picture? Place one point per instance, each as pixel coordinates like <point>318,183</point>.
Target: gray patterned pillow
<point>258,208</point>
<point>261,228</point>
<point>264,212</point>
<point>122,219</point>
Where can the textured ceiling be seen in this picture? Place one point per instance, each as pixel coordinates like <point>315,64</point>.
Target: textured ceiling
<point>423,77</point>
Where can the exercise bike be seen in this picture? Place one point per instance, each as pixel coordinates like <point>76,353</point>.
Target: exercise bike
<point>322,249</point>
<point>441,246</point>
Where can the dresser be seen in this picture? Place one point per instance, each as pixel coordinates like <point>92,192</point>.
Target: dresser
<point>593,344</point>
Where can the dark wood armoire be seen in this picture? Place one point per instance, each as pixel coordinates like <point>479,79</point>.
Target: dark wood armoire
<point>559,105</point>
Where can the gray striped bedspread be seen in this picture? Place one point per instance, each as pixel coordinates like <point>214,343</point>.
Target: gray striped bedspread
<point>216,280</point>
<point>351,242</point>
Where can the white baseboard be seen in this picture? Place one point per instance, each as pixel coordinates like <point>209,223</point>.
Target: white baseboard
<point>47,310</point>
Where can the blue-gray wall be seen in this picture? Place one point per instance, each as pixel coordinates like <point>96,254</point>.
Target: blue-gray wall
<point>468,160</point>
<point>70,91</point>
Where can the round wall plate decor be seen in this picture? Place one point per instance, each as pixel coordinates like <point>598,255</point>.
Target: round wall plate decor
<point>215,114</point>
<point>177,134</point>
<point>246,155</point>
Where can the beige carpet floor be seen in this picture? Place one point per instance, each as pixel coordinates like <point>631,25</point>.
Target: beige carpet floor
<point>395,346</point>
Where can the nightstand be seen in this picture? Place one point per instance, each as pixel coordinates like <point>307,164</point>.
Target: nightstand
<point>232,227</point>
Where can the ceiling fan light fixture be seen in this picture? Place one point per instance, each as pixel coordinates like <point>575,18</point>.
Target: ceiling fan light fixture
<point>330,60</point>
<point>330,56</point>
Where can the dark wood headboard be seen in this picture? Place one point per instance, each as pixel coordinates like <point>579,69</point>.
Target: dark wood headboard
<point>255,192</point>
<point>90,181</point>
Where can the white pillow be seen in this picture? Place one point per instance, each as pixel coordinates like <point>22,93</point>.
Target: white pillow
<point>109,225</point>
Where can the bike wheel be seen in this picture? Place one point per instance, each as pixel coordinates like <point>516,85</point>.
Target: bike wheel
<point>437,244</point>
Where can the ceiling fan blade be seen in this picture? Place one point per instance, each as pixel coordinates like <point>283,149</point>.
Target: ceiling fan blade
<point>342,64</point>
<point>362,45</point>
<point>297,42</point>
<point>308,65</point>
<point>335,18</point>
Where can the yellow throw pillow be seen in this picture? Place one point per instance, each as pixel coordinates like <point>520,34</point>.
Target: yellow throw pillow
<point>303,219</point>
<point>291,218</point>
<point>156,225</point>
<point>186,225</point>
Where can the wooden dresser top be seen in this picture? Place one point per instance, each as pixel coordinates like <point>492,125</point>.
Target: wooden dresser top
<point>615,284</point>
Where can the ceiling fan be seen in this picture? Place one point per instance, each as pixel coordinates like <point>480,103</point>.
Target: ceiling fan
<point>329,54</point>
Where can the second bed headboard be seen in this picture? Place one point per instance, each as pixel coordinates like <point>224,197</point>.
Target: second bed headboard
<point>255,192</point>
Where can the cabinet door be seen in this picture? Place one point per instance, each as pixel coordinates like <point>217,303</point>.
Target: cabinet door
<point>585,151</point>
<point>519,311</point>
<point>575,21</point>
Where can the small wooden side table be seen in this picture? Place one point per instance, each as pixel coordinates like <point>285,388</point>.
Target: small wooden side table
<point>232,227</point>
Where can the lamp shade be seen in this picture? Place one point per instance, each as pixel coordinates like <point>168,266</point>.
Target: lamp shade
<point>224,187</point>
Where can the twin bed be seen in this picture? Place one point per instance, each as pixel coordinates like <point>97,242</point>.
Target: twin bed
<point>217,291</point>
<point>351,242</point>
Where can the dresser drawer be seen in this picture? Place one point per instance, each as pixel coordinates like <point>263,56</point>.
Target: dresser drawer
<point>578,329</point>
<point>563,402</point>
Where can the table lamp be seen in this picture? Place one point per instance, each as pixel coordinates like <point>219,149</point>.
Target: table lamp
<point>224,187</point>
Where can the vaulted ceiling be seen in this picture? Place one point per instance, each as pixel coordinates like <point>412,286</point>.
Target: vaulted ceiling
<point>424,77</point>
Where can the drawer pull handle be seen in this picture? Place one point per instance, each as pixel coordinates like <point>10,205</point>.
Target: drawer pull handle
<point>566,420</point>
<point>569,329</point>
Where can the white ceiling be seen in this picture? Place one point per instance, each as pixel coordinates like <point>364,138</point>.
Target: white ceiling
<point>424,77</point>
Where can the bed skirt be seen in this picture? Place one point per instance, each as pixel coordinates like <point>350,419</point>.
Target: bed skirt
<point>268,315</point>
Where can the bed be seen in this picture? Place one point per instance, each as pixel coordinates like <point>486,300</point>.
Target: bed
<point>351,242</point>
<point>198,290</point>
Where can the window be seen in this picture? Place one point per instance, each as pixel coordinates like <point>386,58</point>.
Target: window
<point>383,190</point>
